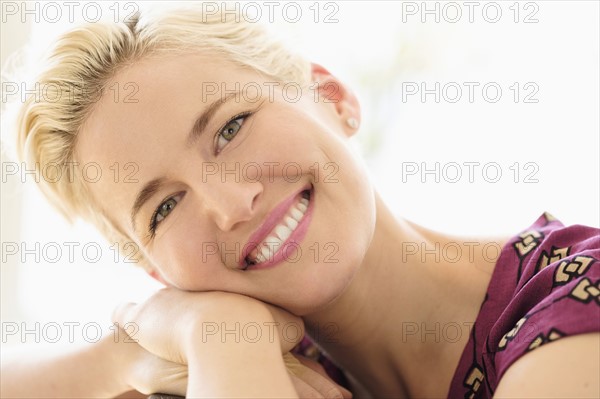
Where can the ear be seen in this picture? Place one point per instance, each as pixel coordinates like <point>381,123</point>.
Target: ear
<point>156,275</point>
<point>331,90</point>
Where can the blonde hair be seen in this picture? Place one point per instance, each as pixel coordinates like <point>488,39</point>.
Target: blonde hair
<point>83,60</point>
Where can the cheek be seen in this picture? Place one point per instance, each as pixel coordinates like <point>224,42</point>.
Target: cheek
<point>348,218</point>
<point>187,258</point>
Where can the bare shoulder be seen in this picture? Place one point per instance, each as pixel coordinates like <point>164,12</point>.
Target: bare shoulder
<point>566,368</point>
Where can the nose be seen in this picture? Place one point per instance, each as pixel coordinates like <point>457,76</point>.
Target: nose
<point>230,203</point>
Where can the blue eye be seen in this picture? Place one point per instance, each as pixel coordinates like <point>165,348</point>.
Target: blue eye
<point>229,131</point>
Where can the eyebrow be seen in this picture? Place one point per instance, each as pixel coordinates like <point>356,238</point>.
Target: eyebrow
<point>199,126</point>
<point>144,195</point>
<point>205,117</point>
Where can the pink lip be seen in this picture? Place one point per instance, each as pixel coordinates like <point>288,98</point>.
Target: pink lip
<point>273,219</point>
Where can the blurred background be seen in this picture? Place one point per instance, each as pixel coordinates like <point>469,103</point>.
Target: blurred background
<point>476,119</point>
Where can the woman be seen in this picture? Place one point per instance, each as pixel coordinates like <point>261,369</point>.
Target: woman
<point>249,205</point>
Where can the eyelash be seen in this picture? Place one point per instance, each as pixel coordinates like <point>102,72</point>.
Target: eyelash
<point>241,116</point>
<point>152,227</point>
<point>153,219</point>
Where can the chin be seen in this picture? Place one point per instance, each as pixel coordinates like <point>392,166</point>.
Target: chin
<point>318,290</point>
<point>320,285</point>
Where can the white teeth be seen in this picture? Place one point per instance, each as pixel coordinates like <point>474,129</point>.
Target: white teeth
<point>296,214</point>
<point>302,207</point>
<point>283,232</point>
<point>292,224</point>
<point>260,258</point>
<point>273,241</point>
<point>271,246</point>
<point>265,252</point>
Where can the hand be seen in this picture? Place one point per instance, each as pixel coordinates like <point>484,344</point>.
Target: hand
<point>150,374</point>
<point>310,379</point>
<point>171,321</point>
<point>144,372</point>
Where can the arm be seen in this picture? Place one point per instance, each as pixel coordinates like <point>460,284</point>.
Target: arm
<point>105,369</point>
<point>567,368</point>
<point>222,366</point>
<point>76,372</point>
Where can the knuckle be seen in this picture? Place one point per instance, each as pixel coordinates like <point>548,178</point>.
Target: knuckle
<point>334,393</point>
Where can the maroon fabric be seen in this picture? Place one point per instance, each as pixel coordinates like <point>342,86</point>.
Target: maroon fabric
<point>545,286</point>
<point>309,350</point>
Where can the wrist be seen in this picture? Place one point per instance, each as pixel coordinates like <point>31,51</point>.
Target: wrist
<point>113,354</point>
<point>257,369</point>
<point>243,325</point>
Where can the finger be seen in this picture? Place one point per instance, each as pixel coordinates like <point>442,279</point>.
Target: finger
<point>303,389</point>
<point>318,367</point>
<point>327,388</point>
<point>175,381</point>
<point>319,381</point>
<point>155,375</point>
<point>345,393</point>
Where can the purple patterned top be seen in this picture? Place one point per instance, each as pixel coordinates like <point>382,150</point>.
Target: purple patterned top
<point>545,286</point>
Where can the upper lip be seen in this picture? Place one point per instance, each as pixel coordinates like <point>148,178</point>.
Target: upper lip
<point>273,218</point>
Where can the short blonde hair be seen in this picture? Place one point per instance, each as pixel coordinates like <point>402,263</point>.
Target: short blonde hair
<point>83,60</point>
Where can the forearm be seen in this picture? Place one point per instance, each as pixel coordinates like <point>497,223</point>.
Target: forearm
<point>79,372</point>
<point>242,370</point>
<point>223,365</point>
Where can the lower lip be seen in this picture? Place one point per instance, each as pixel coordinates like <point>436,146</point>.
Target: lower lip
<point>288,249</point>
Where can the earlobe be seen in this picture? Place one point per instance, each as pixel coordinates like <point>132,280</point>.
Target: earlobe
<point>352,123</point>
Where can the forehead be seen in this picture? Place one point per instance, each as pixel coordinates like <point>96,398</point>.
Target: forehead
<point>153,93</point>
<point>140,111</point>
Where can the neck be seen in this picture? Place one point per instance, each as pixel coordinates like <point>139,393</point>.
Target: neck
<point>407,314</point>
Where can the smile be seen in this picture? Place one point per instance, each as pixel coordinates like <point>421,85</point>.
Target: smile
<point>283,228</point>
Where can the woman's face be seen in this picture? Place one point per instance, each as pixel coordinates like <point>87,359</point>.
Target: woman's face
<point>228,181</point>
